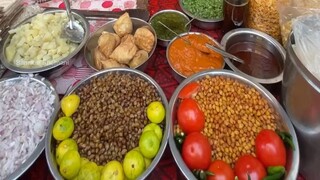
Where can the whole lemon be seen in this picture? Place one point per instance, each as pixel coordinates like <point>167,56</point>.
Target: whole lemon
<point>133,164</point>
<point>63,128</point>
<point>70,164</point>
<point>112,171</point>
<point>70,104</point>
<point>156,112</point>
<point>149,144</point>
<point>89,171</point>
<point>65,146</point>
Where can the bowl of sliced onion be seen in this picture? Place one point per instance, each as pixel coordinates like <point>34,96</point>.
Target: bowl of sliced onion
<point>27,105</point>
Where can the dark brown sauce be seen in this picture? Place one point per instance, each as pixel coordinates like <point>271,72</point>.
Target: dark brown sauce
<point>259,62</point>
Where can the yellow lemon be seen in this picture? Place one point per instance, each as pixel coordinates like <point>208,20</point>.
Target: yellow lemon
<point>112,171</point>
<point>65,146</point>
<point>70,164</point>
<point>89,171</point>
<point>70,104</point>
<point>63,128</point>
<point>156,112</point>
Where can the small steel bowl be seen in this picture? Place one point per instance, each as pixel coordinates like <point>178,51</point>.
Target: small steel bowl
<point>177,75</point>
<point>38,150</point>
<point>165,42</point>
<point>207,24</point>
<point>50,142</point>
<point>53,70</point>
<point>258,38</point>
<point>92,42</point>
<point>293,157</point>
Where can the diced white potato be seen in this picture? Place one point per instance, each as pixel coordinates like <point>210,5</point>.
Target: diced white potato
<point>10,52</point>
<point>39,43</point>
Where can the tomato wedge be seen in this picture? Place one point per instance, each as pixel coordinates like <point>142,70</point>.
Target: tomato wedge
<point>270,149</point>
<point>189,90</point>
<point>190,116</point>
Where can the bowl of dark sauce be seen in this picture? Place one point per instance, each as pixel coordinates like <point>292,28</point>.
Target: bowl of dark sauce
<point>263,56</point>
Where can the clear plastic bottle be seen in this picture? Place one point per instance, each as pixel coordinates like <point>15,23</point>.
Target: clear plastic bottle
<point>263,16</point>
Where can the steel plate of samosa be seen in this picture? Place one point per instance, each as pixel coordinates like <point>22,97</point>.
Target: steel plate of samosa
<point>123,42</point>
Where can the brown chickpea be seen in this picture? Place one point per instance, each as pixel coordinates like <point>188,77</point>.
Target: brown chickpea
<point>234,114</point>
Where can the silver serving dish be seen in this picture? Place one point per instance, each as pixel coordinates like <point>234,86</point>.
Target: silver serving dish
<point>165,42</point>
<point>52,70</point>
<point>242,35</point>
<point>293,157</point>
<point>92,42</point>
<point>36,153</point>
<point>177,75</point>
<point>207,24</point>
<point>50,143</point>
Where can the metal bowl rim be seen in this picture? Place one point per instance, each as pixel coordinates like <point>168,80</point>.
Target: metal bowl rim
<point>173,11</point>
<point>184,34</point>
<point>14,68</point>
<point>41,145</point>
<point>108,24</point>
<point>216,20</point>
<point>265,93</point>
<point>276,44</point>
<point>54,170</point>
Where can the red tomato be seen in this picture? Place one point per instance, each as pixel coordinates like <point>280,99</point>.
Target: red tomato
<point>247,165</point>
<point>221,171</point>
<point>196,151</point>
<point>270,149</point>
<point>189,90</point>
<point>190,117</point>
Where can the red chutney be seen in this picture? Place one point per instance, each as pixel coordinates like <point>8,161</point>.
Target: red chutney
<point>188,59</point>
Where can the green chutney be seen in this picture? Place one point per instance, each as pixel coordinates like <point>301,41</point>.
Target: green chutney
<point>174,21</point>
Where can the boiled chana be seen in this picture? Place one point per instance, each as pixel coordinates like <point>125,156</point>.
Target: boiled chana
<point>234,115</point>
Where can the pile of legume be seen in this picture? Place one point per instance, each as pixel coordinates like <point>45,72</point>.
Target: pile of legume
<point>234,115</point>
<point>111,116</point>
<point>207,9</point>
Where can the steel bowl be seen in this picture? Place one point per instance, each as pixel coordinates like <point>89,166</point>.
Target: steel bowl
<point>53,70</point>
<point>177,75</point>
<point>165,42</point>
<point>301,99</point>
<point>247,35</point>
<point>292,165</point>
<point>207,24</point>
<point>92,42</point>
<point>36,153</point>
<point>50,142</point>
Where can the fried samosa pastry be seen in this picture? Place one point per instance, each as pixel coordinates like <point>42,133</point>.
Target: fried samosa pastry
<point>107,42</point>
<point>125,51</point>
<point>110,63</point>
<point>98,57</point>
<point>123,25</point>
<point>140,57</point>
<point>144,39</point>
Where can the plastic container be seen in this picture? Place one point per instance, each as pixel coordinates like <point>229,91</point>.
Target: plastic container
<point>263,16</point>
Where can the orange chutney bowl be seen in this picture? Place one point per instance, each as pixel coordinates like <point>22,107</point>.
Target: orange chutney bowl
<point>187,54</point>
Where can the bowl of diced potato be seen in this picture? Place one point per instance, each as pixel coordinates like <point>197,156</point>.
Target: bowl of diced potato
<point>37,46</point>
